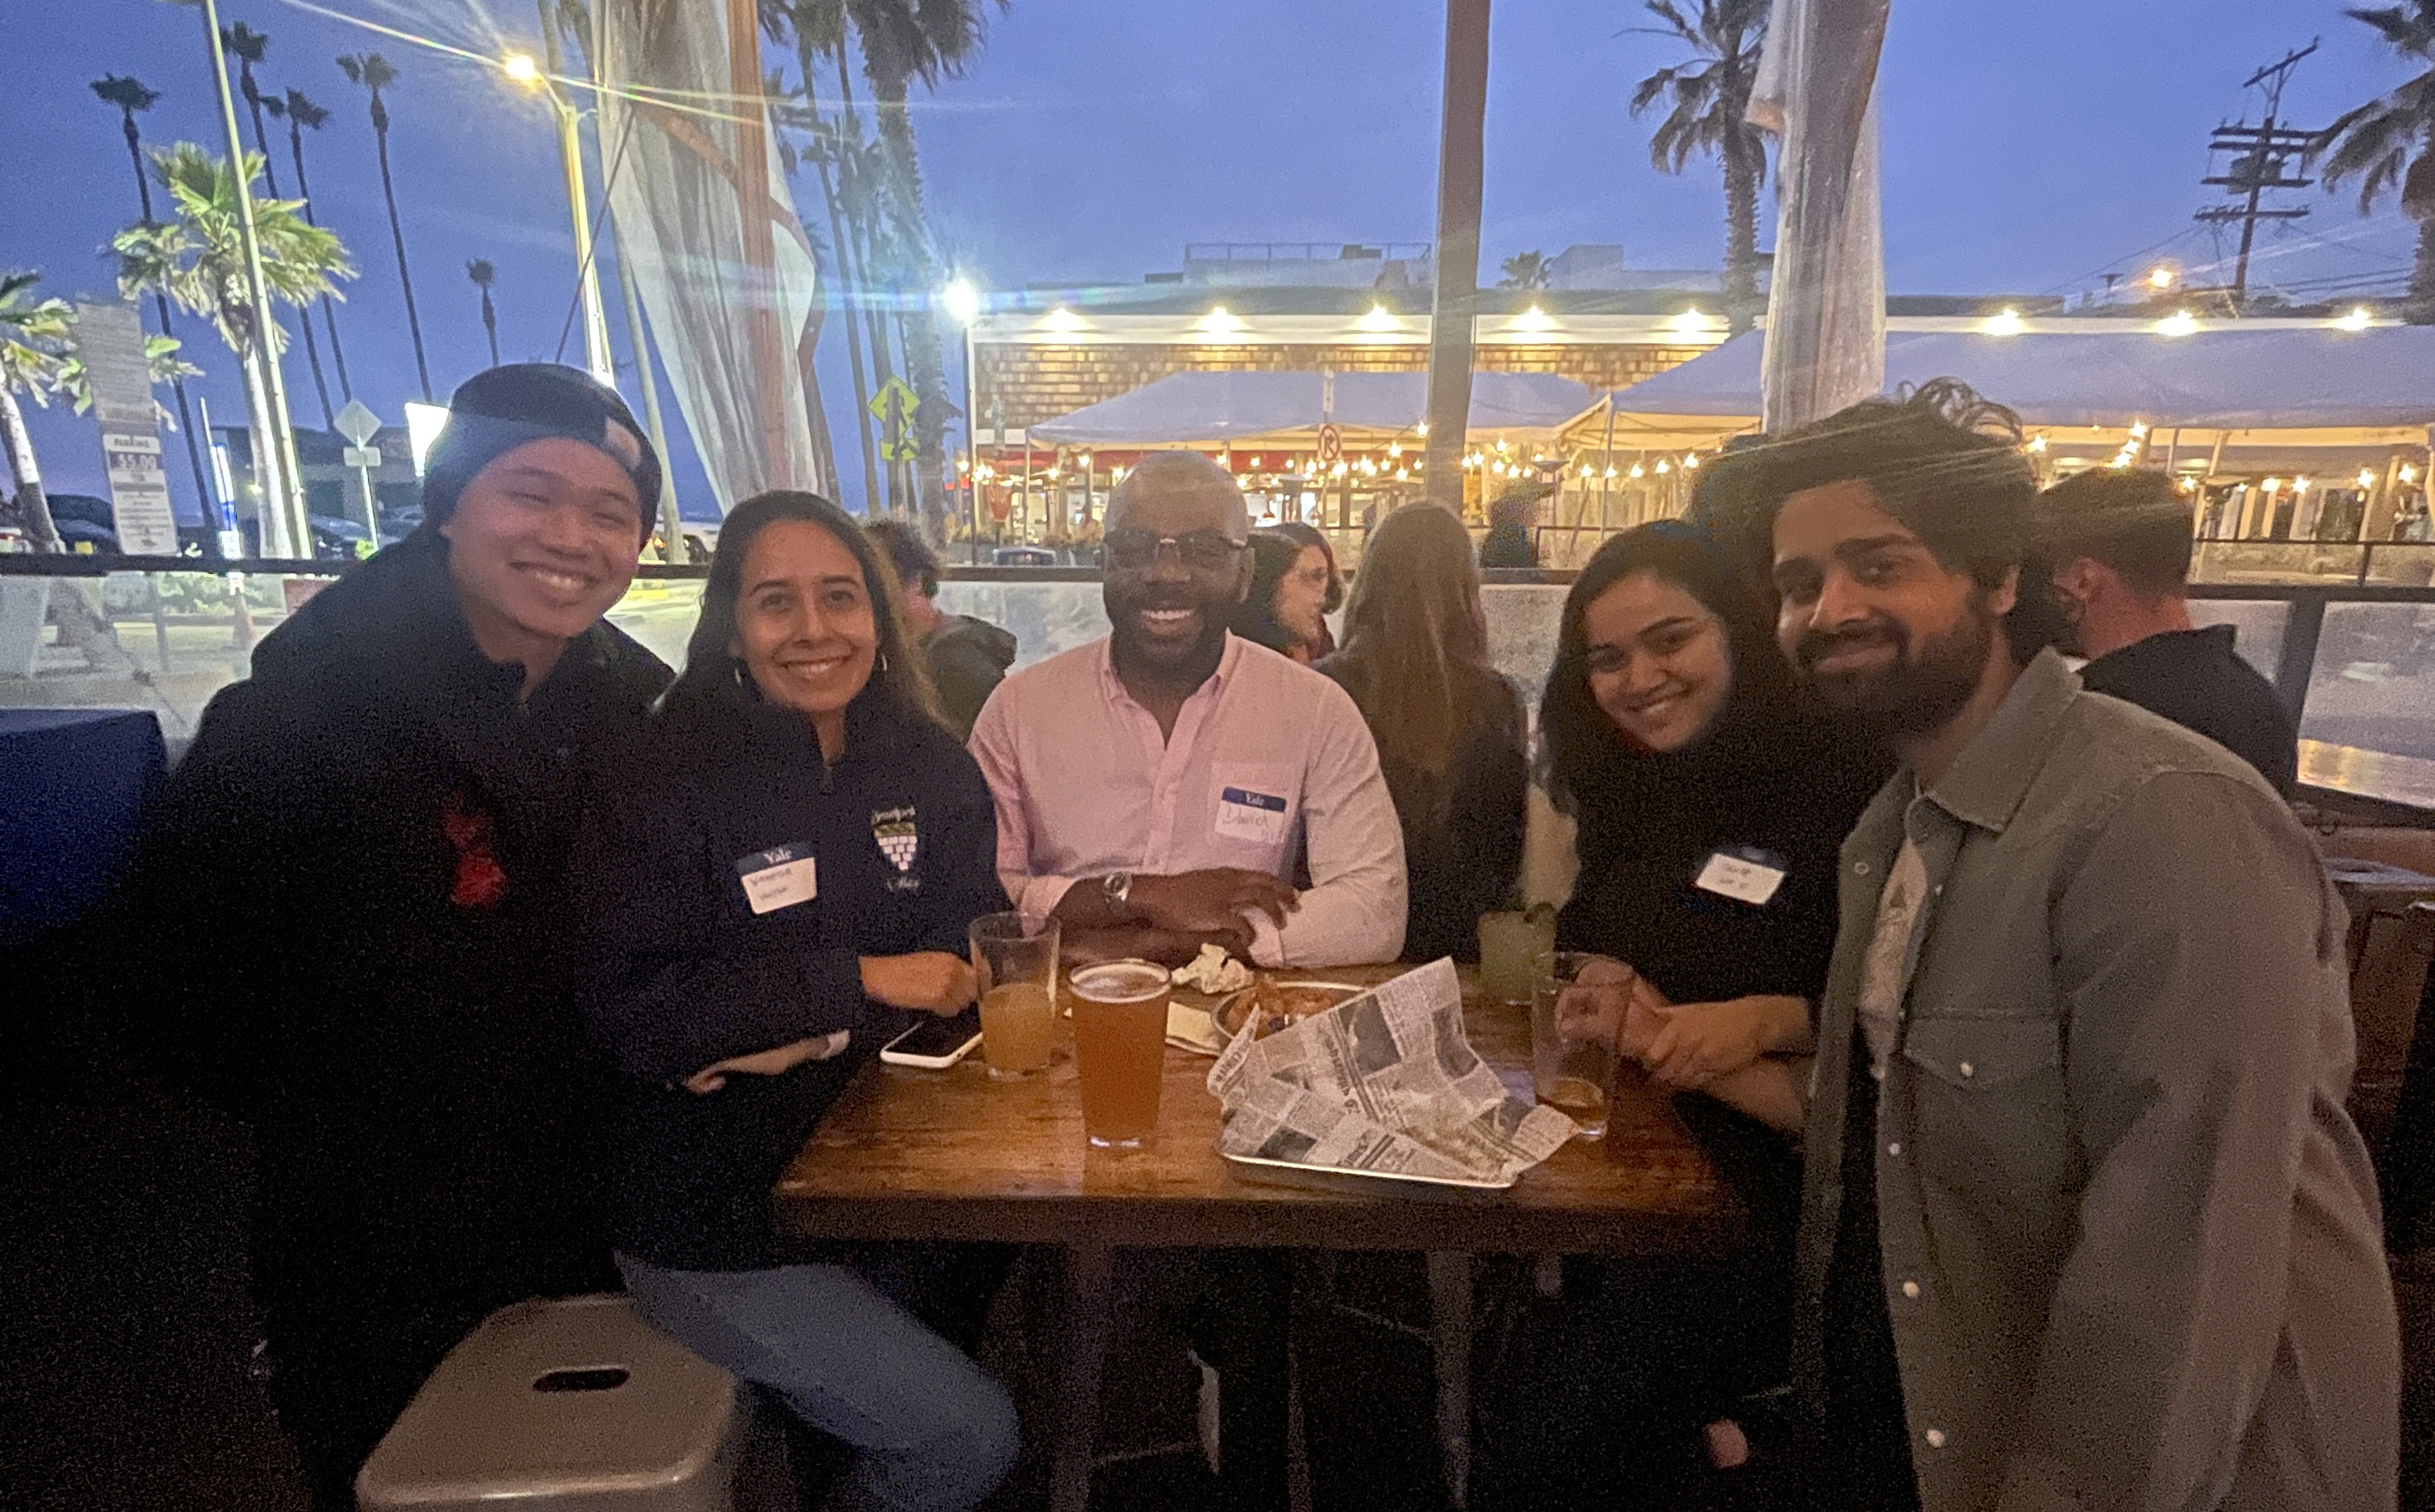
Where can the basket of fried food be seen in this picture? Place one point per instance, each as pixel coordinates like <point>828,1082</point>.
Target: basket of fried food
<point>1270,1005</point>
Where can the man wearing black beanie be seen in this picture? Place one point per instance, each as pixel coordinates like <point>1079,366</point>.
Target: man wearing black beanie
<point>350,907</point>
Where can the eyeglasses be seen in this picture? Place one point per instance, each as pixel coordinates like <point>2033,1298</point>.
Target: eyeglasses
<point>1204,551</point>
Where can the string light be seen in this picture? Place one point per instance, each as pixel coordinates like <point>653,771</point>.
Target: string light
<point>1663,468</point>
<point>2366,478</point>
<point>520,67</point>
<point>2408,474</point>
<point>1636,471</point>
<point>2037,443</point>
<point>2161,277</point>
<point>1610,472</point>
<point>2273,486</point>
<point>2301,485</point>
<point>1423,427</point>
<point>1691,460</point>
<point>1394,448</point>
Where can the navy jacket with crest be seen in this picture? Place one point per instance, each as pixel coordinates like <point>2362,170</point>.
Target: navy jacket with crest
<point>679,972</point>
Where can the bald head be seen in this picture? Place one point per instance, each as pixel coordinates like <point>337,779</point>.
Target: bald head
<point>1174,493</point>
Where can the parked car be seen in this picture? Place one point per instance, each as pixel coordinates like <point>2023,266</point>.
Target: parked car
<point>1023,557</point>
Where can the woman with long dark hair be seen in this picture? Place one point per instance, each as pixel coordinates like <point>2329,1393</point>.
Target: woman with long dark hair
<point>1294,588</point>
<point>788,885</point>
<point>1709,798</point>
<point>1449,727</point>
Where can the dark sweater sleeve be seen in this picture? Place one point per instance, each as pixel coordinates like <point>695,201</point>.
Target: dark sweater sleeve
<point>963,845</point>
<point>664,986</point>
<point>204,1003</point>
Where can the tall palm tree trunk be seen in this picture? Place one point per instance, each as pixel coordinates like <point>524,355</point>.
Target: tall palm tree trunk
<point>397,235</point>
<point>177,385</point>
<point>867,236</point>
<point>2418,304</point>
<point>271,182</point>
<point>491,329</point>
<point>842,286</point>
<point>1741,243</point>
<point>33,505</point>
<point>329,308</point>
<point>917,328</point>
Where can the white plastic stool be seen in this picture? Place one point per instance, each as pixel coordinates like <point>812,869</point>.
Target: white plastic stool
<point>574,1406</point>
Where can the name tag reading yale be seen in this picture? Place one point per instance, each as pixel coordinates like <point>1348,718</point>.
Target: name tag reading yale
<point>1245,814</point>
<point>777,878</point>
<point>1742,878</point>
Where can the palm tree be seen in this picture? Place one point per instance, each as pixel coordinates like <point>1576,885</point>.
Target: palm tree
<point>1709,101</point>
<point>33,338</point>
<point>2388,142</point>
<point>1523,270</point>
<point>903,41</point>
<point>373,73</point>
<point>815,27</point>
<point>249,45</point>
<point>302,116</point>
<point>131,97</point>
<point>484,275</point>
<point>198,259</point>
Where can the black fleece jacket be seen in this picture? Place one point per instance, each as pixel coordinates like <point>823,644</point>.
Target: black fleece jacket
<point>351,912</point>
<point>679,972</point>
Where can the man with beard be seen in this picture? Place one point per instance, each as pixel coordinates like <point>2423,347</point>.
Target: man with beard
<point>1159,790</point>
<point>2084,1222</point>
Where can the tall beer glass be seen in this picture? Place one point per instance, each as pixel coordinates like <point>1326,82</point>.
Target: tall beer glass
<point>1119,1049</point>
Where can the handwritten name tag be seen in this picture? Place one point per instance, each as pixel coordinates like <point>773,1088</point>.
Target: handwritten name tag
<point>1244,813</point>
<point>1743,879</point>
<point>777,878</point>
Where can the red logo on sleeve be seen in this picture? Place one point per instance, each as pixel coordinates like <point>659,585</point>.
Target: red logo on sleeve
<point>481,881</point>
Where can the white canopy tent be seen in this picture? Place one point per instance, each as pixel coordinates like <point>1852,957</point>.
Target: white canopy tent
<point>2251,384</point>
<point>1284,409</point>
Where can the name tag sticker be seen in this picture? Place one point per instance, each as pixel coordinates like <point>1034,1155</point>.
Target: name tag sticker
<point>777,878</point>
<point>1741,878</point>
<point>1246,814</point>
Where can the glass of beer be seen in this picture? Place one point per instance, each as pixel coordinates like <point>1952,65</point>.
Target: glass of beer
<point>1120,1049</point>
<point>1572,1044</point>
<point>1015,957</point>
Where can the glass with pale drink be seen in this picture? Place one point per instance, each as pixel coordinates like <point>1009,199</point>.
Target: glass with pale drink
<point>1120,1049</point>
<point>1572,1039</point>
<point>1510,944</point>
<point>1015,959</point>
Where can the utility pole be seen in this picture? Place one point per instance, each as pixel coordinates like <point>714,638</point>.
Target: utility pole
<point>2261,154</point>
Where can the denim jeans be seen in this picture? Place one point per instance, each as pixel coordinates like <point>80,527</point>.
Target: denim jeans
<point>932,1432</point>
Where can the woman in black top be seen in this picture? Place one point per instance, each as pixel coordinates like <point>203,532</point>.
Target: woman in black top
<point>762,912</point>
<point>1449,727</point>
<point>1711,801</point>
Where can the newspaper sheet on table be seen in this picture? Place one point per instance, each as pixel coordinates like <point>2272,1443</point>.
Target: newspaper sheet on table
<point>1382,1082</point>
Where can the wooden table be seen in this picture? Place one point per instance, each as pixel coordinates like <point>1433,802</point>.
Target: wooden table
<point>954,1156</point>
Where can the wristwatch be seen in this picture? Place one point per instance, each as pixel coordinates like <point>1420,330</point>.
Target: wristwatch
<point>1117,886</point>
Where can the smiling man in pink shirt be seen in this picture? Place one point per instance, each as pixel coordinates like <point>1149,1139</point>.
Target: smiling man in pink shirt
<point>1155,790</point>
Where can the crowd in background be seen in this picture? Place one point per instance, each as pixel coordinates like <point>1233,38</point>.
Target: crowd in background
<point>2014,1010</point>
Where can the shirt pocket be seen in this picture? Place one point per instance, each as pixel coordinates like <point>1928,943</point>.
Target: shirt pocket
<point>1254,808</point>
<point>1989,1119</point>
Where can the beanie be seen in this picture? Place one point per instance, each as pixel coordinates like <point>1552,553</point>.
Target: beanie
<point>499,410</point>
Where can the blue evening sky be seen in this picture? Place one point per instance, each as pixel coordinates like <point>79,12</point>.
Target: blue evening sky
<point>2029,145</point>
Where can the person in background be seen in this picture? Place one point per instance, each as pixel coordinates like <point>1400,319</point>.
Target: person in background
<point>1512,541</point>
<point>1312,591</point>
<point>1156,789</point>
<point>760,914</point>
<point>351,908</point>
<point>2116,550</point>
<point>1450,728</point>
<point>2085,1223</point>
<point>1709,797</point>
<point>1294,589</point>
<point>966,657</point>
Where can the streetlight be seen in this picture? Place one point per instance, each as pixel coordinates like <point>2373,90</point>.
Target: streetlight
<point>524,71</point>
<point>963,305</point>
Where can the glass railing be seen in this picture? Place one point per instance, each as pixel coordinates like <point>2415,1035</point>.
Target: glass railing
<point>2357,660</point>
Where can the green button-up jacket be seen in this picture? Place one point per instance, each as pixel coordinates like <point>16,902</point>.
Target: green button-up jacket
<point>2130,1236</point>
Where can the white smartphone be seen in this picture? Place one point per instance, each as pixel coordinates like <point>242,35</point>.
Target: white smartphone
<point>935,1044</point>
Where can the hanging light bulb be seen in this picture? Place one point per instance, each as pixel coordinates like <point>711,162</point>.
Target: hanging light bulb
<point>1423,427</point>
<point>1394,448</point>
<point>1691,460</point>
<point>1636,470</point>
<point>1610,472</point>
<point>2366,478</point>
<point>1663,467</point>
